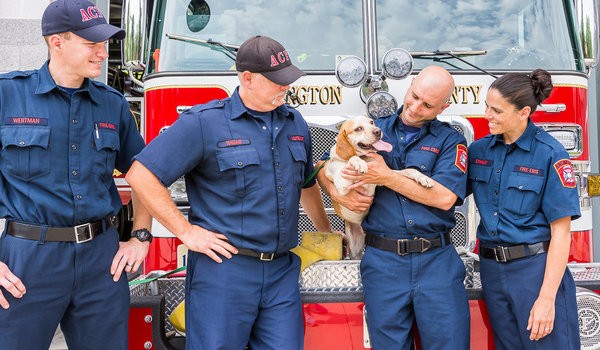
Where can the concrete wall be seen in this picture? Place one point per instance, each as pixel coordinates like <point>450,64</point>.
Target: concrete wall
<point>21,43</point>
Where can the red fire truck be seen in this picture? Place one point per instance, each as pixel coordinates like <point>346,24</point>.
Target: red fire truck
<point>179,53</point>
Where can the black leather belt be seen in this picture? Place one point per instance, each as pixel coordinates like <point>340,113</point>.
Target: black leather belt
<point>506,254</point>
<point>261,256</point>
<point>407,246</point>
<point>80,233</point>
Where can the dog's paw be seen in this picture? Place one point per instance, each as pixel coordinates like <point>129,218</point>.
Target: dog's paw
<point>358,164</point>
<point>419,177</point>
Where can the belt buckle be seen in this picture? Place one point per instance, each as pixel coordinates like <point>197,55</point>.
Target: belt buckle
<point>402,247</point>
<point>502,256</point>
<point>83,233</point>
<point>425,244</point>
<point>267,256</point>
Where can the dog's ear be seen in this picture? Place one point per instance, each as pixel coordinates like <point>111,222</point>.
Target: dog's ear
<point>343,148</point>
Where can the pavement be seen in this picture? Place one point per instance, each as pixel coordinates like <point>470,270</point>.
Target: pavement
<point>58,343</point>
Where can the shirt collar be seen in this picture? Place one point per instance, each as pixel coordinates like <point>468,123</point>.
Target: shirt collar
<point>523,142</point>
<point>238,109</point>
<point>46,83</point>
<point>425,128</point>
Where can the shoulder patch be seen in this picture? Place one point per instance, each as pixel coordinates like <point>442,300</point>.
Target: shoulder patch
<point>462,157</point>
<point>565,172</point>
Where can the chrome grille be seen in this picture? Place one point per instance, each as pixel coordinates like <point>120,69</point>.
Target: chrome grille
<point>588,313</point>
<point>458,128</point>
<point>459,232</point>
<point>304,224</point>
<point>322,140</point>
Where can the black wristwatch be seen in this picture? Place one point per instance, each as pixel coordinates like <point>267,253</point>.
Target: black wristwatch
<point>142,234</point>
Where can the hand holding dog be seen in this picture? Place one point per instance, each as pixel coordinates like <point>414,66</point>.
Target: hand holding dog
<point>357,200</point>
<point>378,173</point>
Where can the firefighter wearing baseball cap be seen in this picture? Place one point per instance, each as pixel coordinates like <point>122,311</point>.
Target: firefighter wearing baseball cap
<point>245,159</point>
<point>61,136</point>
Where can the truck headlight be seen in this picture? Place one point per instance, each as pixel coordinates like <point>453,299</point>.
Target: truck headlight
<point>569,135</point>
<point>351,71</point>
<point>381,104</point>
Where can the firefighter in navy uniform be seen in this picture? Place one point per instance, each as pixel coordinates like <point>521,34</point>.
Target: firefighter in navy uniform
<point>245,159</point>
<point>523,184</point>
<point>410,270</point>
<point>61,136</point>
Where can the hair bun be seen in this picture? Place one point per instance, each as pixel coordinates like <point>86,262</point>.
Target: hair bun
<point>542,84</point>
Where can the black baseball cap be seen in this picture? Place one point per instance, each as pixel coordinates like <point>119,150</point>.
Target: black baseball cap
<point>80,17</point>
<point>261,54</point>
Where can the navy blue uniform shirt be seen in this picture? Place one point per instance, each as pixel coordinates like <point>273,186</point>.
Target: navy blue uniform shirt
<point>58,151</point>
<point>438,151</point>
<point>243,178</point>
<point>521,188</point>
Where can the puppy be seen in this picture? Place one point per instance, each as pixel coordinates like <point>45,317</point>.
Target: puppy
<point>358,137</point>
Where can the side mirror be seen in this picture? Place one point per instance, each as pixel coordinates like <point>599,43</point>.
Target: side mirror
<point>586,13</point>
<point>133,47</point>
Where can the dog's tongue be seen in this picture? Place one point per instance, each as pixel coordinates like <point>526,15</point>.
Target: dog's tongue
<point>382,146</point>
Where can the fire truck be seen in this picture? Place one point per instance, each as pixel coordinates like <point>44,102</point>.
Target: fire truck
<point>179,53</point>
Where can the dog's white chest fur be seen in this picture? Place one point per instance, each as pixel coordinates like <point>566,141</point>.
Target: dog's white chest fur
<point>358,136</point>
<point>334,173</point>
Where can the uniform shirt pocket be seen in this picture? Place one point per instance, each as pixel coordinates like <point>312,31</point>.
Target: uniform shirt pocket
<point>479,178</point>
<point>25,151</point>
<point>424,161</point>
<point>239,170</point>
<point>107,145</point>
<point>522,196</point>
<point>300,159</point>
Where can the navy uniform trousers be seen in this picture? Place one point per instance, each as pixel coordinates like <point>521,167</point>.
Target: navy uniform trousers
<point>61,278</point>
<point>243,301</point>
<point>424,287</point>
<point>510,290</point>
